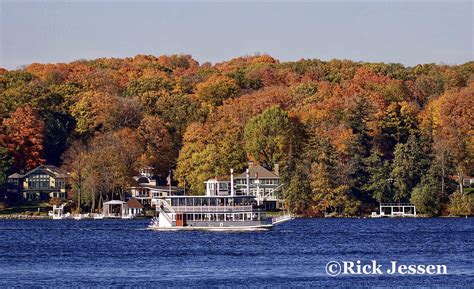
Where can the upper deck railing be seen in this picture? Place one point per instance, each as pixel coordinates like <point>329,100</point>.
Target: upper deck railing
<point>220,209</point>
<point>396,205</point>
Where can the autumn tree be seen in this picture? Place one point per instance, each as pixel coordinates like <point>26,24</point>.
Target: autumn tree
<point>25,138</point>
<point>77,163</point>
<point>217,89</point>
<point>117,154</point>
<point>6,160</point>
<point>453,129</point>
<point>266,137</point>
<point>342,133</point>
<point>330,193</point>
<point>158,147</point>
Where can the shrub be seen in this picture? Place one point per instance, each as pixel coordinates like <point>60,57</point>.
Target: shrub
<point>55,201</point>
<point>459,204</point>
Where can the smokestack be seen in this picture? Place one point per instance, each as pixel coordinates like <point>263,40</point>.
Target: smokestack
<point>248,182</point>
<point>232,193</point>
<point>276,169</point>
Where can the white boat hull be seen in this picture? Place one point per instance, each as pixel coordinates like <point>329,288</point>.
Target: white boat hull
<point>192,228</point>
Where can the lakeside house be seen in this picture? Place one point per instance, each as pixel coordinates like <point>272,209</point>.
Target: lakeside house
<point>41,183</point>
<point>260,180</point>
<point>467,181</point>
<point>147,188</point>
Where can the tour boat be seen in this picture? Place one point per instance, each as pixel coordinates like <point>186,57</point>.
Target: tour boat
<point>210,213</point>
<point>218,210</point>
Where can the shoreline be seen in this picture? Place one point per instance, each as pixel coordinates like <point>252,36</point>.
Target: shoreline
<point>43,217</point>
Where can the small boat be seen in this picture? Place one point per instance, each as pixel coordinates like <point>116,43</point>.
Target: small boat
<point>282,218</point>
<point>98,216</point>
<point>81,216</point>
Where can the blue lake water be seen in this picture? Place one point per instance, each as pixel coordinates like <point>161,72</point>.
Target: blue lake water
<point>294,254</point>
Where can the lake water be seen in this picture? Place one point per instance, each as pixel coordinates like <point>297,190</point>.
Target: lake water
<point>293,254</point>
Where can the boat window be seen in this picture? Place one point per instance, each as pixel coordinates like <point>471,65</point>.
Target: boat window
<point>212,201</point>
<point>189,201</point>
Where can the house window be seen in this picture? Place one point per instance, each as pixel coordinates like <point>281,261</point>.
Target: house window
<point>38,182</point>
<point>59,183</point>
<point>14,182</point>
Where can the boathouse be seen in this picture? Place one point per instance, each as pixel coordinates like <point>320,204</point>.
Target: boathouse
<point>117,209</point>
<point>397,210</point>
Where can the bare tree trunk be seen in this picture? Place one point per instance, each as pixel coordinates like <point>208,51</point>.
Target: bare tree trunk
<point>122,194</point>
<point>101,201</point>
<point>460,177</point>
<point>93,202</point>
<point>443,174</point>
<point>79,202</point>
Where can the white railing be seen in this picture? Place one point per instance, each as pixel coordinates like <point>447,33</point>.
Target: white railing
<point>396,205</point>
<point>185,209</point>
<point>166,205</point>
<point>165,214</point>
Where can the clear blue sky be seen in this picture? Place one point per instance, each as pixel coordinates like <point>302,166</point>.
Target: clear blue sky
<point>409,33</point>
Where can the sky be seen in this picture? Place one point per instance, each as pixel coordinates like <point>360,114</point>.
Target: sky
<point>404,32</point>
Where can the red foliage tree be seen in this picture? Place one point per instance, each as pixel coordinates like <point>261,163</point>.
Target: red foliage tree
<point>25,137</point>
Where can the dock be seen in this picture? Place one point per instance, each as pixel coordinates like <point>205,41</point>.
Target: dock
<point>392,210</point>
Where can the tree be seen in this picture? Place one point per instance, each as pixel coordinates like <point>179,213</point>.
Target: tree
<point>157,142</point>
<point>409,164</point>
<point>25,138</point>
<point>266,136</point>
<point>379,184</point>
<point>398,123</point>
<point>298,190</point>
<point>330,193</point>
<point>6,160</point>
<point>77,163</point>
<point>459,204</point>
<point>178,112</point>
<point>454,131</point>
<point>217,89</point>
<point>427,196</point>
<point>447,120</point>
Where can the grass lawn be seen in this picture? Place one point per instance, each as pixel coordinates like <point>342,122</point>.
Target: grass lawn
<point>27,206</point>
<point>469,191</point>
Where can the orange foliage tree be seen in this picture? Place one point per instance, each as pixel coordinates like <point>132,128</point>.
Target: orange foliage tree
<point>25,137</point>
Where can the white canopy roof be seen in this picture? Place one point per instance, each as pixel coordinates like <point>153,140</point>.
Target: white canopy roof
<point>114,202</point>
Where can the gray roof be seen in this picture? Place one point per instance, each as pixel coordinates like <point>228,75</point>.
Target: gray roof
<point>263,173</point>
<point>15,176</point>
<point>49,169</point>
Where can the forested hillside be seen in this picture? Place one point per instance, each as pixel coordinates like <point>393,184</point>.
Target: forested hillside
<point>345,134</point>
